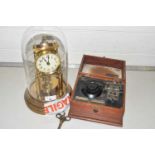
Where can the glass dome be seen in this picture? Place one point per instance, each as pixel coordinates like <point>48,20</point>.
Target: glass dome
<point>44,52</point>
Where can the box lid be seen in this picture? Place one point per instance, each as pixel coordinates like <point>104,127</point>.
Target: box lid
<point>103,67</point>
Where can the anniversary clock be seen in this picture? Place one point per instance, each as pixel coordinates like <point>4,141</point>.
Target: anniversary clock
<point>45,63</point>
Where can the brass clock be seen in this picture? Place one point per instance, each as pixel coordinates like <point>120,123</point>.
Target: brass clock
<point>45,62</point>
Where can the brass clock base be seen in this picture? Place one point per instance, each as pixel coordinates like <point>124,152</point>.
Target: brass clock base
<point>36,105</point>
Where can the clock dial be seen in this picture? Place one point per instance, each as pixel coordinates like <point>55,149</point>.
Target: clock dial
<point>48,63</point>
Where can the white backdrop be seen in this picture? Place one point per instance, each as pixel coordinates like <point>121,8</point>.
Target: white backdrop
<point>136,45</point>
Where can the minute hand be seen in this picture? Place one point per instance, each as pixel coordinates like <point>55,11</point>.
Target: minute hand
<point>48,62</point>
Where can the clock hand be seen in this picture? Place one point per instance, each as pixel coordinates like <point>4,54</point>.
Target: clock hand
<point>48,63</point>
<point>45,60</point>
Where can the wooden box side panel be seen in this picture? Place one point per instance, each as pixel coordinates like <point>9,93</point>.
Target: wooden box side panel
<point>97,113</point>
<point>96,108</point>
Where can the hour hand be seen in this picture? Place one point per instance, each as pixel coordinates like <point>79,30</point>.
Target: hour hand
<point>45,60</point>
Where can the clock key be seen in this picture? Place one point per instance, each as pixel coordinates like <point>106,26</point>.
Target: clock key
<point>62,118</point>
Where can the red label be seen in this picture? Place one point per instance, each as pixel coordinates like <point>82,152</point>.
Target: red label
<point>57,106</point>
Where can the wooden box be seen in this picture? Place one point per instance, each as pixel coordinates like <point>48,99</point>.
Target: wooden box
<point>97,112</point>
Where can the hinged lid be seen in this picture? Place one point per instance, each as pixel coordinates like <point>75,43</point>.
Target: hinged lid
<point>103,67</point>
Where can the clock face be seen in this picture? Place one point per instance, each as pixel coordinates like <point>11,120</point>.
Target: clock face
<point>48,63</point>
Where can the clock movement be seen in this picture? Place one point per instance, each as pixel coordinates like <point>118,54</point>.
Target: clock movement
<point>45,63</point>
